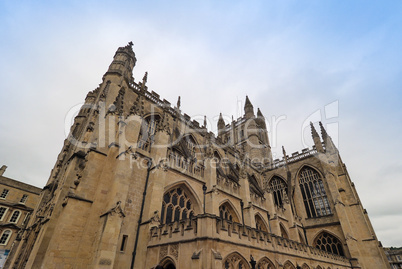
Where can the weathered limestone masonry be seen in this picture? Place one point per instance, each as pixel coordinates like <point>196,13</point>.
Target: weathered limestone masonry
<point>138,183</point>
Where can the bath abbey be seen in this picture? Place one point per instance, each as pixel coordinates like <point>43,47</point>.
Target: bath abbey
<point>139,184</point>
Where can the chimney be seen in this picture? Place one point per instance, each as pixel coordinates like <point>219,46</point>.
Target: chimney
<point>3,169</point>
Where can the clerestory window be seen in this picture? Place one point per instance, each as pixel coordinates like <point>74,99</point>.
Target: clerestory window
<point>278,189</point>
<point>313,192</point>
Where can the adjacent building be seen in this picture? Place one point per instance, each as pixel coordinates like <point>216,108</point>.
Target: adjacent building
<point>17,202</point>
<point>394,256</point>
<point>138,183</point>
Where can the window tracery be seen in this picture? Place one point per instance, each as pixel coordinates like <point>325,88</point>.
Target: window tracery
<point>313,192</point>
<point>147,133</point>
<point>176,206</point>
<point>278,187</point>
<point>329,243</point>
<point>235,261</point>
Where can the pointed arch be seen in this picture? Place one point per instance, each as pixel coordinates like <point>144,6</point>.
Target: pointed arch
<point>265,263</point>
<point>147,132</point>
<point>168,263</point>
<point>313,192</point>
<point>318,267</point>
<point>305,266</point>
<point>235,261</point>
<point>278,187</point>
<point>227,211</point>
<point>302,238</point>
<point>179,202</point>
<point>328,242</point>
<point>288,265</point>
<point>260,223</point>
<point>284,232</point>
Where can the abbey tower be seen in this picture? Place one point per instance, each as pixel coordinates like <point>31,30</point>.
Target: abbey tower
<point>138,183</point>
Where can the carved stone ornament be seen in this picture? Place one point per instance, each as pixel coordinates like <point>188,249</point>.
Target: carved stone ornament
<point>174,251</point>
<point>155,220</point>
<point>116,210</point>
<point>163,252</point>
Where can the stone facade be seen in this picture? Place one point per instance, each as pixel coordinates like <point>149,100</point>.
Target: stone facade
<point>394,256</point>
<point>17,202</point>
<point>138,183</point>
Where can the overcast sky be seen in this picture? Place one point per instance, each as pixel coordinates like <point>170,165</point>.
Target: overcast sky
<point>335,61</point>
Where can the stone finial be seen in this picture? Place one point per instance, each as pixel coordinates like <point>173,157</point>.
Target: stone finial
<point>205,121</point>
<point>323,132</point>
<point>313,131</point>
<point>145,78</point>
<point>3,169</point>
<point>178,103</point>
<point>259,114</point>
<point>248,108</point>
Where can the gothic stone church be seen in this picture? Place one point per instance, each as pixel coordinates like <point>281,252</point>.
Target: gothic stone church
<point>139,184</point>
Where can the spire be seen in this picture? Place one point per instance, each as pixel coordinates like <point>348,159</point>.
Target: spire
<point>259,114</point>
<point>313,131</point>
<point>316,139</point>
<point>248,108</point>
<point>329,144</point>
<point>221,124</point>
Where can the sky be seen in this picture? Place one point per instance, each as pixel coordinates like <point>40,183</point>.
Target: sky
<point>298,61</point>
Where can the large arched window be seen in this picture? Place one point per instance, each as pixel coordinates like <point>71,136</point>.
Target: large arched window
<point>329,243</point>
<point>278,187</point>
<point>289,265</point>
<point>176,206</point>
<point>313,192</point>
<point>5,237</point>
<point>147,132</point>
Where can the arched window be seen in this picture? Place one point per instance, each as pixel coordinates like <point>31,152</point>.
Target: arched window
<point>259,224</point>
<point>329,243</point>
<point>278,187</point>
<point>15,216</point>
<point>235,261</point>
<point>313,192</point>
<point>289,265</point>
<point>3,211</point>
<point>176,205</point>
<point>5,237</point>
<point>147,132</point>
<point>226,212</point>
<point>265,263</point>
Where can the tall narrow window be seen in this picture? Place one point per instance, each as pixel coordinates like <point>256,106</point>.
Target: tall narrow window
<point>147,133</point>
<point>4,194</point>
<point>5,237</point>
<point>15,216</point>
<point>176,206</point>
<point>313,192</point>
<point>278,187</point>
<point>329,243</point>
<point>24,199</point>
<point>3,211</point>
<point>123,242</point>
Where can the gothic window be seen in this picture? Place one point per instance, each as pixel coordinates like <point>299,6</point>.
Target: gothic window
<point>224,213</point>
<point>23,199</point>
<point>313,192</point>
<point>4,194</point>
<point>176,206</point>
<point>289,265</point>
<point>329,243</point>
<point>15,216</point>
<point>235,261</point>
<point>265,263</point>
<point>259,224</point>
<point>278,187</point>
<point>5,237</point>
<point>147,133</point>
<point>3,211</point>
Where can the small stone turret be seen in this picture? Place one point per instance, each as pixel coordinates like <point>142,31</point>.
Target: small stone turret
<point>248,109</point>
<point>316,139</point>
<point>221,125</point>
<point>123,63</point>
<point>3,169</point>
<point>329,144</point>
